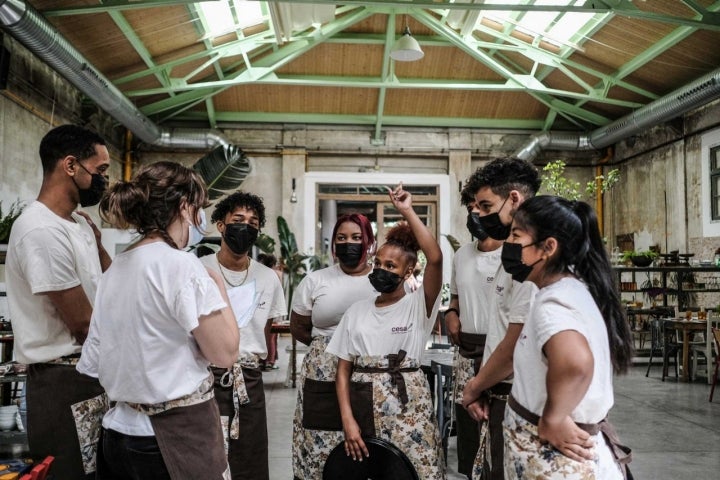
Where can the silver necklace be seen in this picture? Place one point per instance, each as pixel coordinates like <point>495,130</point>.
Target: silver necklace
<point>247,271</point>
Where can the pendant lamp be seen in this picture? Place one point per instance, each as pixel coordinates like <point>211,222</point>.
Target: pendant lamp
<point>406,48</point>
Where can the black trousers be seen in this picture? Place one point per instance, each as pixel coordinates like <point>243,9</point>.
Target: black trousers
<point>128,457</point>
<point>468,440</point>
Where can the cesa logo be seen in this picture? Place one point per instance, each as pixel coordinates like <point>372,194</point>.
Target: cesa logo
<point>395,330</point>
<point>490,279</point>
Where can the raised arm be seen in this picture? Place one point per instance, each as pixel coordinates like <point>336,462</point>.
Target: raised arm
<point>432,279</point>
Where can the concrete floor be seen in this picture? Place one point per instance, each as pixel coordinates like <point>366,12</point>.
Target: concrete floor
<point>672,428</point>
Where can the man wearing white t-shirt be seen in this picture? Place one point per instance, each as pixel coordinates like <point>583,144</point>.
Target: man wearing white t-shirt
<point>53,265</point>
<point>257,299</point>
<point>503,184</point>
<point>471,294</point>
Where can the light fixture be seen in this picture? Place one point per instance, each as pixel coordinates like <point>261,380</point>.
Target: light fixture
<point>293,196</point>
<point>406,48</point>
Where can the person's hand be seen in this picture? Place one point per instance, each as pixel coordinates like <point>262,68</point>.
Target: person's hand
<point>568,438</point>
<point>401,199</point>
<point>95,229</point>
<point>470,393</point>
<point>453,327</point>
<point>479,410</point>
<point>354,444</point>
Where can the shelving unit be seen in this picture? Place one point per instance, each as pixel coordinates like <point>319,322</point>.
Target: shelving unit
<point>705,279</point>
<point>12,436</point>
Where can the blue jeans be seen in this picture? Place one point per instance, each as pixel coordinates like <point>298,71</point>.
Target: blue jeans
<point>127,457</point>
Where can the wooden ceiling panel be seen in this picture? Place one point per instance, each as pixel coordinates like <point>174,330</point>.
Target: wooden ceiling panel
<point>298,99</point>
<point>338,59</point>
<point>622,39</point>
<point>464,104</point>
<point>172,30</point>
<point>446,63</point>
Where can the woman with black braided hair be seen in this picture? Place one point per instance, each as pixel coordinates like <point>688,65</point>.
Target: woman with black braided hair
<point>379,343</point>
<point>575,337</point>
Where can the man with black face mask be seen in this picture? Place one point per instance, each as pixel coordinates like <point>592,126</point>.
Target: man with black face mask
<point>54,262</point>
<point>257,299</point>
<point>500,188</point>
<point>468,317</point>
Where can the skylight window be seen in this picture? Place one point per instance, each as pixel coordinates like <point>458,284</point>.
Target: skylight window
<point>555,27</point>
<point>220,19</point>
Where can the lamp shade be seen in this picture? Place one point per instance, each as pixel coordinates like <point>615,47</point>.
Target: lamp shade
<point>406,48</point>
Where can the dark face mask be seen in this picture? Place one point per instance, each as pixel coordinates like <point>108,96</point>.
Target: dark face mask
<point>474,226</point>
<point>511,258</point>
<point>240,237</point>
<point>493,226</point>
<point>384,281</point>
<point>91,196</point>
<point>349,254</point>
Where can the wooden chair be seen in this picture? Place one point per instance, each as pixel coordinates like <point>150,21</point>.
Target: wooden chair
<point>40,471</point>
<point>716,337</point>
<point>664,345</point>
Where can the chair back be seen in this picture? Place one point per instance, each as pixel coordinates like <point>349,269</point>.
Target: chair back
<point>716,337</point>
<point>386,462</point>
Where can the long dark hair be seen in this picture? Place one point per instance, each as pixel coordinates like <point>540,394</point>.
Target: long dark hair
<point>581,252</point>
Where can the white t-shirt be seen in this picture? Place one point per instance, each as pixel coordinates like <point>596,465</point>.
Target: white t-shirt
<point>140,344</point>
<point>325,295</point>
<point>512,304</point>
<point>47,253</point>
<point>263,283</point>
<point>564,305</point>
<point>472,280</point>
<point>366,329</point>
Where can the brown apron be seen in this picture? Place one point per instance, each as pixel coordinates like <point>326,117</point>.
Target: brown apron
<point>247,451</point>
<point>492,448</point>
<point>189,434</point>
<point>65,409</point>
<point>621,453</point>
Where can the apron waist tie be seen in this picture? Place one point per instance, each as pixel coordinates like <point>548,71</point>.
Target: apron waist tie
<point>233,377</point>
<point>621,453</point>
<point>393,368</point>
<point>203,393</point>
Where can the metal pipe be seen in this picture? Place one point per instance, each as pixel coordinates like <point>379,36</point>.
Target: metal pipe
<point>31,29</point>
<point>693,95</point>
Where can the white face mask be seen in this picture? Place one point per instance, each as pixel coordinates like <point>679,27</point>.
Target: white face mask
<point>196,234</point>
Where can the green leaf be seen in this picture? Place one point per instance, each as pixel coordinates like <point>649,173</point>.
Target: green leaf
<point>265,243</point>
<point>223,169</point>
<point>454,242</point>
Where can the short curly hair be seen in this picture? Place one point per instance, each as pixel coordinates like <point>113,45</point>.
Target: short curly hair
<point>236,200</point>
<point>503,175</point>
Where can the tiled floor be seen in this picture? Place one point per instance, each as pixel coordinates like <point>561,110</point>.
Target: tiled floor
<point>673,430</point>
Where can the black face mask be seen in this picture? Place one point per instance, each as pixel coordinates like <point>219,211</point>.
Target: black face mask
<point>511,258</point>
<point>349,254</point>
<point>493,226</point>
<point>384,281</point>
<point>240,237</point>
<point>91,196</point>
<point>474,226</point>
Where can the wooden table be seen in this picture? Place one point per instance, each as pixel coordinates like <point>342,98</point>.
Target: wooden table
<point>687,326</point>
<point>284,327</point>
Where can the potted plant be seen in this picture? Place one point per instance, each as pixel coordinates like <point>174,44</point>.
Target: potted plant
<point>639,258</point>
<point>6,221</point>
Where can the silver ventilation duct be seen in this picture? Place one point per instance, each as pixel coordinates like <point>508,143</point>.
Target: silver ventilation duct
<point>691,96</point>
<point>28,27</point>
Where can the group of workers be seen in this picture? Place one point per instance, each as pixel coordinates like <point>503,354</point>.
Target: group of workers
<point>149,365</point>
